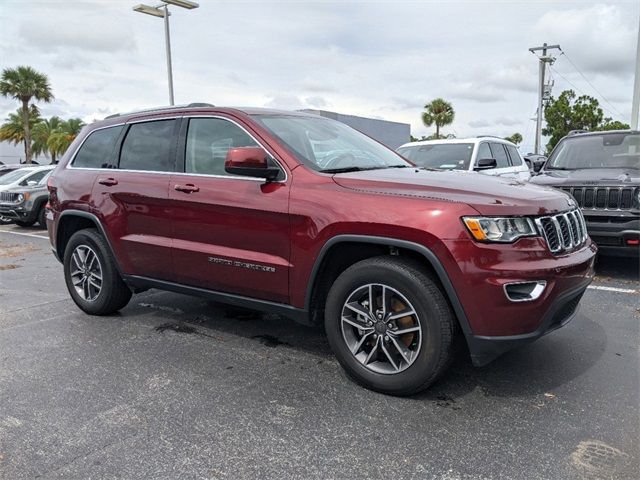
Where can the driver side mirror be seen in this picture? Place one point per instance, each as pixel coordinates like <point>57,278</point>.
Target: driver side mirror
<point>537,166</point>
<point>250,162</point>
<point>485,164</point>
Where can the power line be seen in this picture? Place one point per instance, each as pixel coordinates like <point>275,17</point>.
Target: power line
<point>579,90</point>
<point>592,85</point>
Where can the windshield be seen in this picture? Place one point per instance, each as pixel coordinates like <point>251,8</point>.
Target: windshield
<point>329,146</point>
<point>611,150</point>
<point>447,156</point>
<point>13,176</point>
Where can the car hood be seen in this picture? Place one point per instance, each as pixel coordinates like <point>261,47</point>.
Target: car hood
<point>487,194</point>
<point>588,176</point>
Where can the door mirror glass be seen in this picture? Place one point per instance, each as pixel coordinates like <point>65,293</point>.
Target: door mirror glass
<point>485,164</point>
<point>32,183</point>
<point>250,162</point>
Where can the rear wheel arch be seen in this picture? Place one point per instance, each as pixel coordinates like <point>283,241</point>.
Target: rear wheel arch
<point>72,221</point>
<point>342,251</point>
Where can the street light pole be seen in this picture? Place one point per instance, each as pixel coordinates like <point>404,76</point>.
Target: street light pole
<point>635,104</point>
<point>162,10</point>
<point>544,59</point>
<point>167,39</point>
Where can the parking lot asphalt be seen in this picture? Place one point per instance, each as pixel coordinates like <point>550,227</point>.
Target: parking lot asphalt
<point>179,387</point>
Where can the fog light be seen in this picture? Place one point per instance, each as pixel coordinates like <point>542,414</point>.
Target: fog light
<point>633,241</point>
<point>524,291</point>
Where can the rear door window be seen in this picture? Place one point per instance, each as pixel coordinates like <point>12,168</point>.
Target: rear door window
<point>148,146</point>
<point>516,160</point>
<point>500,154</point>
<point>97,149</point>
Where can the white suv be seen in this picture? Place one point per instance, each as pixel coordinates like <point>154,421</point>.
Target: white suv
<point>488,155</point>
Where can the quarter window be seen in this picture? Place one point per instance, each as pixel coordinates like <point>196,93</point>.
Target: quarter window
<point>147,146</point>
<point>516,160</point>
<point>208,141</point>
<point>97,149</point>
<point>500,154</point>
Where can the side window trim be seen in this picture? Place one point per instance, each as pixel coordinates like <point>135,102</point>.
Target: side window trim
<point>515,162</point>
<point>182,146</point>
<point>478,157</point>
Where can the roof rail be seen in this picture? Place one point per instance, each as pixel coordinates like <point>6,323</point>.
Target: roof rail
<point>157,109</point>
<point>575,132</point>
<point>489,136</point>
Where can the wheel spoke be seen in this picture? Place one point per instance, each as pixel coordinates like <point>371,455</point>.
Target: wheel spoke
<point>388,355</point>
<point>404,313</point>
<point>402,331</point>
<point>76,259</point>
<point>371,301</point>
<point>78,282</point>
<point>91,258</point>
<point>359,325</point>
<point>359,309</point>
<point>404,351</point>
<point>363,339</point>
<point>374,349</point>
<point>94,283</point>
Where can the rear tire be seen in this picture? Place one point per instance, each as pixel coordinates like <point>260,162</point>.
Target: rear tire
<point>389,360</point>
<point>91,274</point>
<point>21,223</point>
<point>42,217</point>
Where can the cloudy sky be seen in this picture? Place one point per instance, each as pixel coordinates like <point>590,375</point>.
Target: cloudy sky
<point>382,59</point>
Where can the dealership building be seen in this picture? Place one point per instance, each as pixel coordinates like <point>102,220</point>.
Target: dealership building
<point>391,134</point>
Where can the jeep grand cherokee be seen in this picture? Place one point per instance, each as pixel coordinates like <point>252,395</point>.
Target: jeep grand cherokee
<point>301,215</point>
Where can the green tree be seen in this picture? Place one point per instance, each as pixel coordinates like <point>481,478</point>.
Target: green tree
<point>515,138</point>
<point>61,137</point>
<point>438,112</point>
<point>42,132</point>
<point>12,130</point>
<point>25,84</point>
<point>569,112</point>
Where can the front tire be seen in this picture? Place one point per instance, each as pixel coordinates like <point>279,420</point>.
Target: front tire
<point>389,325</point>
<point>21,223</point>
<point>91,275</point>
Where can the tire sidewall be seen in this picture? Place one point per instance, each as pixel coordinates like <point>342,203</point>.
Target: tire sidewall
<point>86,237</point>
<point>427,364</point>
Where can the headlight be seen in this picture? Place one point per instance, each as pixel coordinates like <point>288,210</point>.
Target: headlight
<point>500,229</point>
<point>20,198</point>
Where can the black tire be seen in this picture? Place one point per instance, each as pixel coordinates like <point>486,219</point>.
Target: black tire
<point>42,217</point>
<point>5,220</point>
<point>436,320</point>
<point>114,293</point>
<point>21,223</point>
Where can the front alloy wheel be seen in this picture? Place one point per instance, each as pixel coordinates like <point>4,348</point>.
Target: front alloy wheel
<point>381,328</point>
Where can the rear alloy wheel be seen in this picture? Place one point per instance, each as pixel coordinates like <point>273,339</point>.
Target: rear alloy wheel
<point>91,274</point>
<point>389,325</point>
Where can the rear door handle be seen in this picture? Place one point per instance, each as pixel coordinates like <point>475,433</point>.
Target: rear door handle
<point>188,188</point>
<point>109,182</point>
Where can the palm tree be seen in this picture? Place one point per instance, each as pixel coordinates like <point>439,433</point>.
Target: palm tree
<point>61,137</point>
<point>438,112</point>
<point>42,132</point>
<point>515,138</point>
<point>24,84</point>
<point>12,130</point>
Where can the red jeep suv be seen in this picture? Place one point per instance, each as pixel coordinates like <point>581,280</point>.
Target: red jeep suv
<point>303,216</point>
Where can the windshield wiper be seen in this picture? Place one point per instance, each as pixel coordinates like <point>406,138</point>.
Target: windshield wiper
<point>360,169</point>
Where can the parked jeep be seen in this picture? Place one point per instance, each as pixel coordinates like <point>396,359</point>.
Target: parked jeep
<point>24,194</point>
<point>601,170</point>
<point>396,261</point>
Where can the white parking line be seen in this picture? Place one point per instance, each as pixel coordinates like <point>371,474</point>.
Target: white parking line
<point>46,237</point>
<point>612,289</point>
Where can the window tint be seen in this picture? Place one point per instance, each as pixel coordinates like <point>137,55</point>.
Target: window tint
<point>500,154</point>
<point>97,149</point>
<point>147,146</point>
<point>36,177</point>
<point>208,141</point>
<point>483,151</point>
<point>516,160</point>
<point>448,156</point>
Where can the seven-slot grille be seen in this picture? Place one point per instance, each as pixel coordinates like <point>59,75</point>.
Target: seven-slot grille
<point>563,232</point>
<point>7,197</point>
<point>603,198</point>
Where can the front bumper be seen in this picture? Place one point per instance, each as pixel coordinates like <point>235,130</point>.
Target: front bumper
<point>612,232</point>
<point>17,212</point>
<point>497,323</point>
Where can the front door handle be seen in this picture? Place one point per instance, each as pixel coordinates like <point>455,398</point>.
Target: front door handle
<point>188,188</point>
<point>109,182</point>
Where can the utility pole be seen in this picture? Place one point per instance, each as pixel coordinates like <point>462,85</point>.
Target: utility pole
<point>635,106</point>
<point>167,46</point>
<point>544,59</point>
